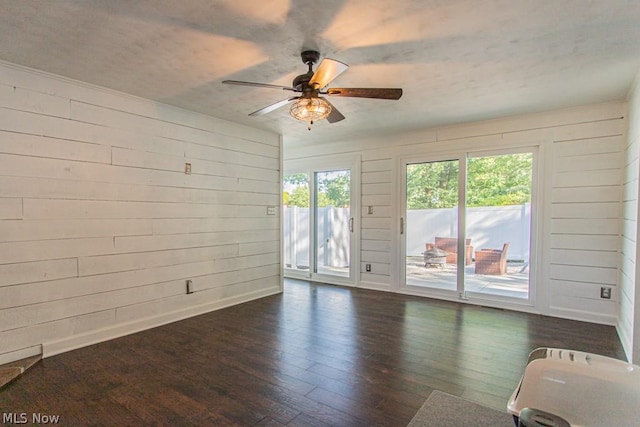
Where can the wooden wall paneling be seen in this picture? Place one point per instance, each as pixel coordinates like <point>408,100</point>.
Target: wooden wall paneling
<point>133,261</point>
<point>600,226</point>
<point>55,148</point>
<point>87,209</point>
<point>176,241</point>
<point>603,144</point>
<point>580,290</point>
<point>605,193</point>
<point>63,289</point>
<point>20,99</point>
<point>582,241</point>
<point>589,274</point>
<point>43,229</point>
<point>557,118</point>
<point>20,317</point>
<point>125,157</point>
<point>15,252</point>
<point>10,208</point>
<point>606,177</point>
<point>200,302</point>
<point>599,311</point>
<point>585,257</point>
<point>100,297</point>
<point>255,248</point>
<point>91,184</point>
<point>38,271</point>
<point>208,225</point>
<point>35,335</point>
<point>608,210</point>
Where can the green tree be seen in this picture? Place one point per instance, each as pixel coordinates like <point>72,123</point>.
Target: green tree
<point>491,181</point>
<point>499,180</point>
<point>296,179</point>
<point>432,185</point>
<point>334,190</point>
<point>299,197</point>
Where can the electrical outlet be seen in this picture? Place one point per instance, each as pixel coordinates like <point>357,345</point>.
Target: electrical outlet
<point>605,292</point>
<point>370,210</point>
<point>367,267</point>
<point>189,286</point>
<point>271,210</point>
<point>187,168</point>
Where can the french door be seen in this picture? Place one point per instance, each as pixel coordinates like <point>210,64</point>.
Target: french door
<point>467,225</point>
<point>319,222</point>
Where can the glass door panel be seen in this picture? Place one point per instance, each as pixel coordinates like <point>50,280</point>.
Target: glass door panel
<point>296,236</point>
<point>333,223</point>
<point>431,224</point>
<point>498,224</point>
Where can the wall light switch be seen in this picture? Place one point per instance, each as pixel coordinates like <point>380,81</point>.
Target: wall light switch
<point>271,210</point>
<point>370,210</point>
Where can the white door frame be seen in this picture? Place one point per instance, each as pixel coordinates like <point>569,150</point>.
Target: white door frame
<point>324,164</point>
<point>460,294</point>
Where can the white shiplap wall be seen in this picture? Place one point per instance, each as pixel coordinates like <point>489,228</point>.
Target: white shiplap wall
<point>100,227</point>
<point>629,318</point>
<point>580,164</point>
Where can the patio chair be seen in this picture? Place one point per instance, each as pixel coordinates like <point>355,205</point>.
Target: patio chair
<point>450,246</point>
<point>492,261</point>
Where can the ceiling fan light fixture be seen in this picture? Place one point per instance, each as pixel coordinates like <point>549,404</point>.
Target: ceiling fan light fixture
<point>310,109</point>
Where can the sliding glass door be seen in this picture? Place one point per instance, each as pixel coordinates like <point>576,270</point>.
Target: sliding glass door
<point>318,227</point>
<point>333,223</point>
<point>498,222</point>
<point>466,225</point>
<point>431,218</point>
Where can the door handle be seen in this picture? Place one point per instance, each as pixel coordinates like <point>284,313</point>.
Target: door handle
<point>401,225</point>
<point>351,224</point>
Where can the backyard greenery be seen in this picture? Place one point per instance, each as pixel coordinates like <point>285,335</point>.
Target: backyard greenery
<point>491,181</point>
<point>333,189</point>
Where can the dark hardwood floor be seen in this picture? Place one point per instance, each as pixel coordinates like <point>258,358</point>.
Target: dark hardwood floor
<point>316,355</point>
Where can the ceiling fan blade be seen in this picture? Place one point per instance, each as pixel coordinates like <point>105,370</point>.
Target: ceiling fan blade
<point>334,115</point>
<point>328,70</point>
<point>273,107</point>
<point>378,93</point>
<point>241,83</point>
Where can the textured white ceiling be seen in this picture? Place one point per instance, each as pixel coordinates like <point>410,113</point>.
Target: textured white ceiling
<point>457,60</point>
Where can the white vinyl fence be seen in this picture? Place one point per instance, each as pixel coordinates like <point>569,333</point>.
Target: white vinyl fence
<point>487,227</point>
<point>333,237</point>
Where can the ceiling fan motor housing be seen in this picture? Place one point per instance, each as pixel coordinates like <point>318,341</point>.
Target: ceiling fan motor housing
<point>310,56</point>
<point>301,82</point>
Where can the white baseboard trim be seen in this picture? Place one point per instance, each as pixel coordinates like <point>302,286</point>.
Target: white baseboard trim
<point>74,342</point>
<point>582,316</point>
<point>12,356</point>
<point>374,286</point>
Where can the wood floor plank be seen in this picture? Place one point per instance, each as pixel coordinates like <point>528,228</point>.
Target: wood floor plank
<point>316,355</point>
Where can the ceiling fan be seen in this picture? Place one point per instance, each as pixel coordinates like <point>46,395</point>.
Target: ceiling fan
<point>309,106</point>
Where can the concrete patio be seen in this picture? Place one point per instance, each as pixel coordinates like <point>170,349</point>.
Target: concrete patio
<point>514,284</point>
